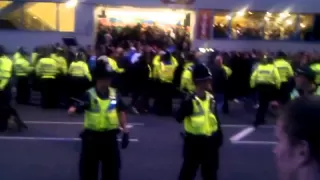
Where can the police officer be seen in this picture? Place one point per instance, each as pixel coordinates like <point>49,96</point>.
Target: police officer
<point>286,73</point>
<point>186,83</point>
<point>80,76</point>
<point>104,112</point>
<point>163,72</point>
<point>22,70</point>
<point>47,70</point>
<point>6,110</point>
<point>266,79</point>
<point>315,66</point>
<point>305,83</point>
<point>61,78</point>
<point>203,135</point>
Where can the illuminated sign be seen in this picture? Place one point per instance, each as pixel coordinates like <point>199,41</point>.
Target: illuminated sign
<point>178,1</point>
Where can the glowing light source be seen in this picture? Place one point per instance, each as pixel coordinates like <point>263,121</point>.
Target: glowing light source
<point>72,3</point>
<point>284,14</point>
<point>241,13</point>
<point>128,16</point>
<point>266,18</point>
<point>228,17</point>
<point>289,22</point>
<point>302,25</point>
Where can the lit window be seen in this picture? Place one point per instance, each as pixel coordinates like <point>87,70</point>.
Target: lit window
<point>10,19</point>
<point>280,26</point>
<point>4,4</point>
<point>247,25</point>
<point>306,27</point>
<point>66,18</point>
<point>221,24</point>
<point>40,16</point>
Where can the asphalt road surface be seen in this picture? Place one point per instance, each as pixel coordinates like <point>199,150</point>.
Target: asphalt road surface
<point>49,150</point>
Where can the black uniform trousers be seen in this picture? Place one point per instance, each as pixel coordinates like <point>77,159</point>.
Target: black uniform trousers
<point>62,90</point>
<point>5,98</point>
<point>200,151</point>
<point>284,92</point>
<point>6,110</point>
<point>163,99</point>
<point>23,90</point>
<point>266,94</point>
<point>99,147</point>
<point>49,94</point>
<point>77,87</point>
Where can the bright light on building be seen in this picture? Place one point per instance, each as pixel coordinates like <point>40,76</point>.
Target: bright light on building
<point>268,14</point>
<point>266,18</point>
<point>71,3</point>
<point>289,22</point>
<point>250,12</point>
<point>241,13</point>
<point>228,17</point>
<point>302,25</point>
<point>202,50</point>
<point>128,16</point>
<point>284,14</point>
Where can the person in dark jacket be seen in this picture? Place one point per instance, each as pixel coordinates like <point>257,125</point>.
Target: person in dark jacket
<point>140,83</point>
<point>219,81</point>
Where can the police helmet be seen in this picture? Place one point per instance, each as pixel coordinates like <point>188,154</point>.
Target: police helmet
<point>306,72</point>
<point>103,71</point>
<point>166,56</point>
<point>281,54</point>
<point>201,72</point>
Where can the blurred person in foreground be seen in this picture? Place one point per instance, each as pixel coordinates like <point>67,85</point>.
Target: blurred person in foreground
<point>297,130</point>
<point>6,110</point>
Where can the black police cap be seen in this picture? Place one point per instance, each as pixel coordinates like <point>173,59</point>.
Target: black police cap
<point>103,71</point>
<point>307,72</point>
<point>201,72</point>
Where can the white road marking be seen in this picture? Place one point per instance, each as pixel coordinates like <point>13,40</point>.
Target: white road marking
<point>240,135</point>
<point>48,138</point>
<point>255,142</point>
<point>137,124</point>
<point>130,125</point>
<point>244,126</point>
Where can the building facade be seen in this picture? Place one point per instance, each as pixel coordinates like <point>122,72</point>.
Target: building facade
<point>290,25</point>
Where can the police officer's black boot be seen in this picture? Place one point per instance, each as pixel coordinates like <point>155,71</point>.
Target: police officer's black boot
<point>20,124</point>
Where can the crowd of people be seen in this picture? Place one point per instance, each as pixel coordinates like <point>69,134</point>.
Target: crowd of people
<point>124,36</point>
<point>148,70</point>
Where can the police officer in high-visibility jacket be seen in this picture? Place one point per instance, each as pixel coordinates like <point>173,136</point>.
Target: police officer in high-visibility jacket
<point>61,78</point>
<point>22,70</point>
<point>47,70</point>
<point>203,135</point>
<point>104,113</point>
<point>17,54</point>
<point>266,79</point>
<point>286,73</point>
<point>305,83</point>
<point>6,110</point>
<point>80,76</point>
<point>315,66</point>
<point>163,73</point>
<point>186,83</point>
